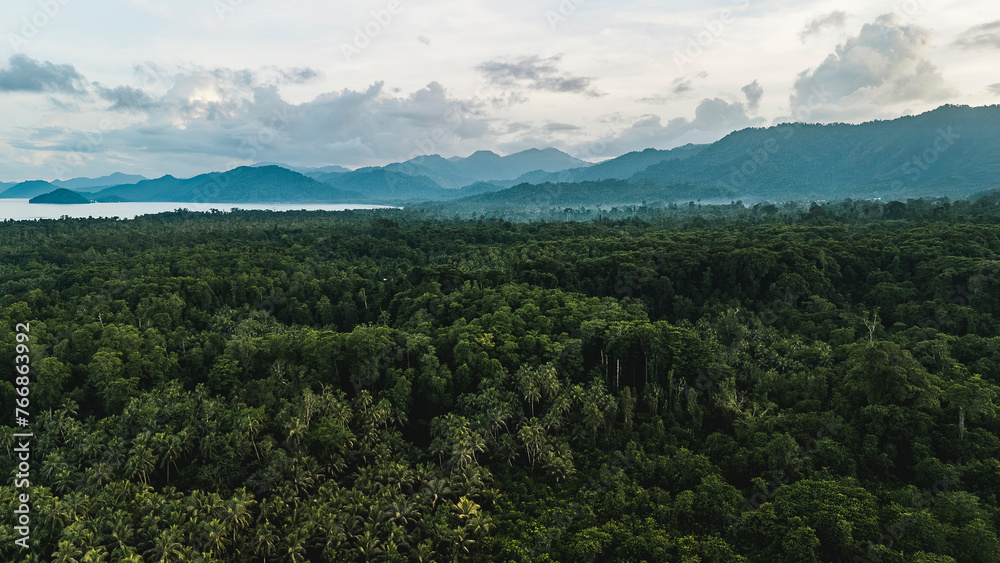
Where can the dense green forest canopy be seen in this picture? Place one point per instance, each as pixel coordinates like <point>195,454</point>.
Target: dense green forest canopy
<point>714,384</point>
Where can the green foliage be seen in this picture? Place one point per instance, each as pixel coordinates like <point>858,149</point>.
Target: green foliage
<point>749,385</point>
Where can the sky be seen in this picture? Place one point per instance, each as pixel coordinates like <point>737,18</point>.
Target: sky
<point>183,87</point>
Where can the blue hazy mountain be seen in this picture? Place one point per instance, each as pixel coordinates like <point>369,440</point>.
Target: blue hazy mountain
<point>620,168</point>
<point>306,171</point>
<point>28,189</point>
<point>61,196</point>
<point>382,185</point>
<point>265,184</point>
<point>950,151</point>
<point>434,167</point>
<point>485,166</point>
<point>94,184</point>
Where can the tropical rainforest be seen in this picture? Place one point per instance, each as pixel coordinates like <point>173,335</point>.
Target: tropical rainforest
<point>776,383</point>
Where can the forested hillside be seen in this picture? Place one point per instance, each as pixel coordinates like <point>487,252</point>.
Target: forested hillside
<point>690,384</point>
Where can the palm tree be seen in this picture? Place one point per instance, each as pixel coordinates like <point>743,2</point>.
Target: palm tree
<point>122,531</point>
<point>425,551</point>
<point>532,436</point>
<point>215,539</point>
<point>306,474</point>
<point>368,544</point>
<point>95,555</point>
<point>238,510</point>
<point>126,555</point>
<point>168,546</point>
<point>140,463</point>
<point>265,540</point>
<point>99,474</point>
<point>529,384</point>
<point>66,553</point>
<point>401,513</point>
<point>435,489</point>
<point>175,445</point>
<point>252,426</point>
<point>296,548</point>
<point>548,381</point>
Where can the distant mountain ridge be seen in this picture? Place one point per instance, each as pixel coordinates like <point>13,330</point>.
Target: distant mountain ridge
<point>620,168</point>
<point>93,184</point>
<point>28,190</point>
<point>61,196</point>
<point>951,151</point>
<point>266,184</point>
<point>483,166</point>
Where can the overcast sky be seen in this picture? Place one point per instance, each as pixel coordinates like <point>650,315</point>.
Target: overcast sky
<point>187,86</point>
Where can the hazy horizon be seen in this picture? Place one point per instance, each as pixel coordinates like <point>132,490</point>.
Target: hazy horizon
<point>190,87</point>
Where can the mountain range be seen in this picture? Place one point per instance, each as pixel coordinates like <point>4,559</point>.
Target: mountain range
<point>950,151</point>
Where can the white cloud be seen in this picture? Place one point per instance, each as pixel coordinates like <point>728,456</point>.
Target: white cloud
<point>754,92</point>
<point>714,118</point>
<point>24,74</point>
<point>171,116</point>
<point>228,118</point>
<point>986,35</point>
<point>885,64</point>
<point>834,19</point>
<point>536,73</point>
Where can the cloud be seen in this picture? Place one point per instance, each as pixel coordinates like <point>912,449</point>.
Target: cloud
<point>24,74</point>
<point>986,35</point>
<point>836,18</point>
<point>536,73</point>
<point>298,75</point>
<point>678,86</point>
<point>753,91</point>
<point>559,127</point>
<point>884,65</point>
<point>65,106</point>
<point>424,40</point>
<point>214,119</point>
<point>126,98</point>
<point>713,119</point>
<point>994,89</point>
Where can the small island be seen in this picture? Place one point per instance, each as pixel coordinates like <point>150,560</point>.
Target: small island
<point>61,196</point>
